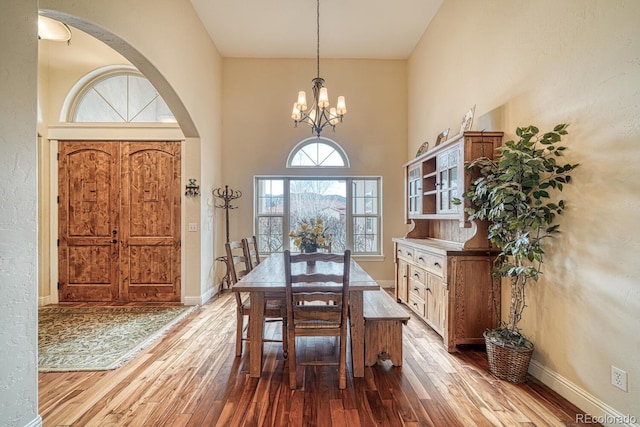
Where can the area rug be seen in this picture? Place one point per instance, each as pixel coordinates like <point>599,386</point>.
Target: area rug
<point>99,338</point>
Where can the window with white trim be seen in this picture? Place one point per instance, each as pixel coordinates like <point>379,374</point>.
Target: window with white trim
<point>350,208</point>
<point>120,96</point>
<point>317,152</point>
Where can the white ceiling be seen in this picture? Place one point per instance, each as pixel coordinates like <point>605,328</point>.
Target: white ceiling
<point>380,29</point>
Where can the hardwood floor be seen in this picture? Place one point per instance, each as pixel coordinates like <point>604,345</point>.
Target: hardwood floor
<point>192,378</point>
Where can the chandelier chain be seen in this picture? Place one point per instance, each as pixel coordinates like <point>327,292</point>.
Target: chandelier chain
<point>318,37</point>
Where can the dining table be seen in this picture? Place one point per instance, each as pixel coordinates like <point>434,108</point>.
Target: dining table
<point>267,281</point>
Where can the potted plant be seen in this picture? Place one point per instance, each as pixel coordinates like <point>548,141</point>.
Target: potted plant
<point>515,194</point>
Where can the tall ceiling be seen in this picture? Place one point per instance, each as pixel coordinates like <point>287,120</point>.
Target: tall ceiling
<point>377,29</point>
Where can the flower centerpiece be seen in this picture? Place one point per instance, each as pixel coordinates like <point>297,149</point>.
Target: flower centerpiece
<point>310,236</point>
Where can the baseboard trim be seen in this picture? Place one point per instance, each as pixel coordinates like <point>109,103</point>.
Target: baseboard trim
<point>199,300</point>
<point>591,405</point>
<point>36,422</point>
<point>50,299</point>
<point>386,283</point>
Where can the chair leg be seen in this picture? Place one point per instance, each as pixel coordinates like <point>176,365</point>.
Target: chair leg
<point>293,382</point>
<point>239,328</point>
<point>342,365</point>
<point>285,341</point>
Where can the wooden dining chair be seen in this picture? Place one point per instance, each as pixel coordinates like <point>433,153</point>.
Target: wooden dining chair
<point>251,251</point>
<point>328,278</point>
<point>275,309</point>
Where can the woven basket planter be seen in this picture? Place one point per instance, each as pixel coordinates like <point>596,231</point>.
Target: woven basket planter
<point>508,363</point>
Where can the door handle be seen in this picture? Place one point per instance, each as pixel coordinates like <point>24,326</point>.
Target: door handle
<point>114,241</point>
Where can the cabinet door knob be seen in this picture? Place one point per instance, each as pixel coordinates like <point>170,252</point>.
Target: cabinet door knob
<point>437,264</point>
<point>416,275</point>
<point>421,259</point>
<point>428,289</point>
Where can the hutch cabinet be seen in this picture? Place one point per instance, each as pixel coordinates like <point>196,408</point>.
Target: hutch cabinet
<point>443,264</point>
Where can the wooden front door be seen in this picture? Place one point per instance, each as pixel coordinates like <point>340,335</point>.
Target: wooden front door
<point>119,221</point>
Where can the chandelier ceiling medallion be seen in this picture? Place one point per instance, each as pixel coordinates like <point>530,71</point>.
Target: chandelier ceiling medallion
<point>319,114</point>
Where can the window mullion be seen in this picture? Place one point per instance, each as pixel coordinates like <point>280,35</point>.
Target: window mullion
<point>286,213</point>
<point>349,214</point>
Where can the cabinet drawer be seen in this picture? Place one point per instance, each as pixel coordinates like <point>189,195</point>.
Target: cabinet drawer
<point>430,261</point>
<point>417,274</point>
<point>405,252</point>
<point>416,304</point>
<point>417,284</point>
<point>416,289</point>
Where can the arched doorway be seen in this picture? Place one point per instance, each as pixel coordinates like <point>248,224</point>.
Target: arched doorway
<point>142,134</point>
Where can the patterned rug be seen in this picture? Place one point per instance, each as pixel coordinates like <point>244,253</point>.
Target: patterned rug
<point>99,338</point>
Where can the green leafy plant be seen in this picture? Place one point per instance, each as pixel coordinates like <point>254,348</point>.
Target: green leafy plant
<point>515,194</point>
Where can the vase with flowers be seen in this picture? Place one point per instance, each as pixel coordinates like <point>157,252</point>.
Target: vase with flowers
<point>310,236</point>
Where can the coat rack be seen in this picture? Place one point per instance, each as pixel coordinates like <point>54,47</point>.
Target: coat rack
<point>226,196</point>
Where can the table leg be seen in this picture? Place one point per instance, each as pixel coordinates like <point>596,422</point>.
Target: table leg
<point>357,332</point>
<point>256,331</point>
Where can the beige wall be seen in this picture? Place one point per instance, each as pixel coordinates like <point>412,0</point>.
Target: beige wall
<point>167,42</point>
<point>18,215</point>
<point>546,62</point>
<point>259,134</point>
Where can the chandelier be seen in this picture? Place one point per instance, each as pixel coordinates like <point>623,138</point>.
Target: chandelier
<point>319,114</point>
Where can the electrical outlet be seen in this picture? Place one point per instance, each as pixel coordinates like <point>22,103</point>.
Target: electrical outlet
<point>193,226</point>
<point>619,378</point>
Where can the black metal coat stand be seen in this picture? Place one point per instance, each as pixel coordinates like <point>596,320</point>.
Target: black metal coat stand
<point>226,196</point>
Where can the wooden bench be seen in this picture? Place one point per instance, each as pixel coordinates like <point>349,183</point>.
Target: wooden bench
<point>383,320</point>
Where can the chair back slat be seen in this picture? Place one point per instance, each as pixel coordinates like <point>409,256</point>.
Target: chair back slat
<point>251,253</point>
<point>236,261</point>
<point>237,266</point>
<point>316,279</point>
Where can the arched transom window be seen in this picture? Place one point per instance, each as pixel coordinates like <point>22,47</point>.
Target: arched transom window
<point>119,96</point>
<point>317,152</point>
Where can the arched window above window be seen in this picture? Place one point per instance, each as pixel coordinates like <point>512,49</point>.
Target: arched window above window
<point>317,152</point>
<point>118,95</point>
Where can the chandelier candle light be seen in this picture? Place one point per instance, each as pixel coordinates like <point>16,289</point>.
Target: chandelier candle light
<point>319,114</point>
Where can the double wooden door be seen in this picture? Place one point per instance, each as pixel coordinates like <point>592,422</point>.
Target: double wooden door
<point>119,221</point>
